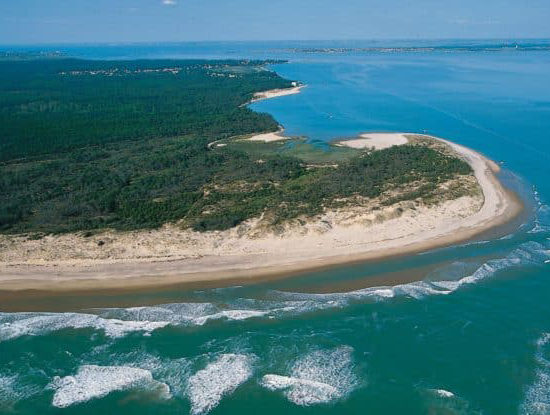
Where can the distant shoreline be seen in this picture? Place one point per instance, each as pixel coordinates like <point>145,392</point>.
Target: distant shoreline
<point>224,256</point>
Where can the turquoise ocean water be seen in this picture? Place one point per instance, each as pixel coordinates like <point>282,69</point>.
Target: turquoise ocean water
<point>470,335</point>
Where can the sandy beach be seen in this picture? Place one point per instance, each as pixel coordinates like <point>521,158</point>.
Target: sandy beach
<point>171,255</point>
<point>375,141</point>
<point>269,137</point>
<point>274,93</point>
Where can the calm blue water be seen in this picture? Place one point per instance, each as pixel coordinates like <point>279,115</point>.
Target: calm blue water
<point>470,336</point>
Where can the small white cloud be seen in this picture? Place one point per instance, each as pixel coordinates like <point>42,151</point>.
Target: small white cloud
<point>169,2</point>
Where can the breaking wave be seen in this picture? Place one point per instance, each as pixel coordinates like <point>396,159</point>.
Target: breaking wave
<point>13,325</point>
<point>92,382</point>
<point>442,393</point>
<point>186,314</point>
<point>537,395</point>
<point>318,377</point>
<point>542,220</point>
<point>221,377</point>
<point>172,371</point>
<point>7,389</point>
<point>118,322</point>
<point>442,401</point>
<point>12,390</point>
<point>527,254</point>
<point>542,215</point>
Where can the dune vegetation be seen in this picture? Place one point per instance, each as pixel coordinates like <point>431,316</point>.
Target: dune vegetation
<point>86,145</point>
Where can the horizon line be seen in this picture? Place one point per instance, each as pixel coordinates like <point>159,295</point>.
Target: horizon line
<point>145,42</point>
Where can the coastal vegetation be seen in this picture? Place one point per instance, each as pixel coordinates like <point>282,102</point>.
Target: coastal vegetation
<point>53,105</point>
<point>86,145</point>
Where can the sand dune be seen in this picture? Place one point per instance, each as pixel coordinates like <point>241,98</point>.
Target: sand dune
<point>169,255</point>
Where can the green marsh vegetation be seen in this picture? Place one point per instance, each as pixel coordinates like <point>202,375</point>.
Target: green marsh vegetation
<point>88,145</point>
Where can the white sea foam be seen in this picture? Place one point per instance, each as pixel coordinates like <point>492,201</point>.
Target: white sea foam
<point>529,253</point>
<point>538,228</point>
<point>173,372</point>
<point>118,322</point>
<point>301,391</point>
<point>319,377</point>
<point>442,401</point>
<point>13,391</point>
<point>537,395</point>
<point>542,219</point>
<point>92,382</point>
<point>180,313</point>
<point>7,386</point>
<point>232,315</point>
<point>13,325</point>
<point>221,377</point>
<point>186,314</point>
<point>443,393</point>
<point>170,370</point>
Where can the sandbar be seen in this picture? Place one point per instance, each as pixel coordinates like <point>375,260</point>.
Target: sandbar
<point>375,141</point>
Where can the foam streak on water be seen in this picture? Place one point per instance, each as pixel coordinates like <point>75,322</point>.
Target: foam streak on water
<point>318,377</point>
<point>527,254</point>
<point>12,391</point>
<point>183,314</point>
<point>91,382</point>
<point>13,325</point>
<point>542,219</point>
<point>221,377</point>
<point>442,401</point>
<point>537,395</point>
<point>443,393</point>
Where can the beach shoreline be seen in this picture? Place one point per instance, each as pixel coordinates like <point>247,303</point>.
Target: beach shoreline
<point>274,93</point>
<point>269,137</point>
<point>241,259</point>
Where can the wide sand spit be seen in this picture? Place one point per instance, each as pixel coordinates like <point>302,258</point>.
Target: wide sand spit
<point>171,255</point>
<point>375,141</point>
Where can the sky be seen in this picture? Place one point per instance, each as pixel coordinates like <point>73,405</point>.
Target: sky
<point>103,21</point>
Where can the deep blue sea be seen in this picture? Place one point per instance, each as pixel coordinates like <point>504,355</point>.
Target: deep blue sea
<point>471,335</point>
